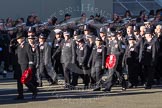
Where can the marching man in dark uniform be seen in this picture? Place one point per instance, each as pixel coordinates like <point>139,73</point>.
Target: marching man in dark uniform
<point>131,60</point>
<point>44,63</point>
<point>97,59</point>
<point>32,47</point>
<point>24,62</point>
<point>82,54</point>
<point>91,44</point>
<point>119,68</point>
<point>149,58</point>
<point>56,52</point>
<point>139,45</point>
<point>66,57</point>
<point>158,39</point>
<point>113,54</point>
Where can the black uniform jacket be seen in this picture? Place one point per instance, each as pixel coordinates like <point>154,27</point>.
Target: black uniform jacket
<point>97,57</point>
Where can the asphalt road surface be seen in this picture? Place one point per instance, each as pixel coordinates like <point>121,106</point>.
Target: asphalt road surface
<point>57,97</point>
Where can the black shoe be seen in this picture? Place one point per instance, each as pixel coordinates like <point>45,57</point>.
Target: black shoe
<point>19,97</point>
<point>72,87</point>
<point>40,85</point>
<point>34,95</point>
<point>131,86</point>
<point>50,84</point>
<point>148,87</point>
<point>158,82</point>
<point>106,90</point>
<point>97,89</point>
<point>92,86</point>
<point>86,87</point>
<point>53,83</point>
<point>67,86</point>
<point>123,89</point>
<point>27,90</point>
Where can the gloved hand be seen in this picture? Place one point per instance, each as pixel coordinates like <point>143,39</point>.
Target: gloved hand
<point>88,65</point>
<point>80,64</point>
<point>53,57</point>
<point>37,66</point>
<point>103,67</point>
<point>13,42</point>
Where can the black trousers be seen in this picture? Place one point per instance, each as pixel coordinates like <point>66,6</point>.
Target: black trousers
<point>133,74</point>
<point>85,76</point>
<point>67,74</point>
<point>19,87</point>
<point>149,75</point>
<point>31,84</point>
<point>96,74</point>
<point>110,79</point>
<point>141,73</point>
<point>158,71</point>
<point>58,66</point>
<point>48,71</point>
<point>113,75</point>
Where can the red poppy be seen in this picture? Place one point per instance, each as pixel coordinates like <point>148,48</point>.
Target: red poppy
<point>26,76</point>
<point>110,61</point>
